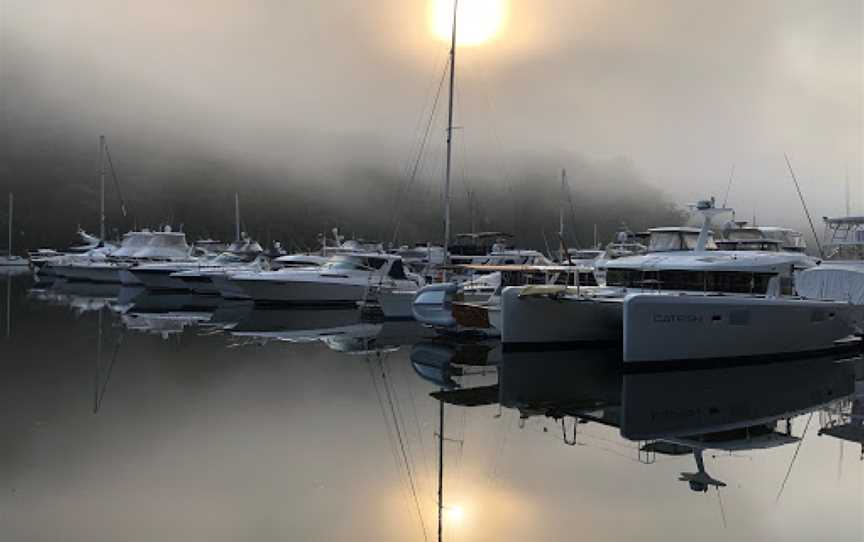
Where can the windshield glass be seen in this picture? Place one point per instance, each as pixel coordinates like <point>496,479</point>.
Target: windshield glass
<point>346,263</point>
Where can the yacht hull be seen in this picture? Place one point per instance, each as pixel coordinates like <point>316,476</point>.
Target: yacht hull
<point>200,283</point>
<point>127,278</point>
<point>665,328</point>
<point>88,272</point>
<point>298,292</point>
<point>529,322</point>
<point>229,288</point>
<point>159,279</point>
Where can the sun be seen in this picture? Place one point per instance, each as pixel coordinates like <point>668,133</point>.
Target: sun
<point>478,21</point>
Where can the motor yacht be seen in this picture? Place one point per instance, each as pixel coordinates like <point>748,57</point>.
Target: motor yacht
<point>345,279</point>
<point>165,275</point>
<point>840,274</point>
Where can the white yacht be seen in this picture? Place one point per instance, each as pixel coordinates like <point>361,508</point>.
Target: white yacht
<point>111,264</point>
<point>840,275</point>
<point>345,279</point>
<point>167,275</point>
<point>681,305</point>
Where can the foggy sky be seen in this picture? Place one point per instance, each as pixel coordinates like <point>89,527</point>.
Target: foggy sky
<point>679,90</point>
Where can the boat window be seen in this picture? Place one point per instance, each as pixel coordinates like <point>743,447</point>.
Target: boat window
<point>397,271</point>
<point>708,281</point>
<point>375,263</point>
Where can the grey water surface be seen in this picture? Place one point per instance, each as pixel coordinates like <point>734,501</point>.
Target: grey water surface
<point>133,416</point>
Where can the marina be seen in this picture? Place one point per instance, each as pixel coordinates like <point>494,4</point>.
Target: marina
<point>449,270</point>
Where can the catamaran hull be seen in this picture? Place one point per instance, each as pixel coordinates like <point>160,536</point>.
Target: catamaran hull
<point>664,328</point>
<point>302,292</point>
<point>529,322</point>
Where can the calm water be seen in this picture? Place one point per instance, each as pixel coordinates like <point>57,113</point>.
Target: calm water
<point>176,418</point>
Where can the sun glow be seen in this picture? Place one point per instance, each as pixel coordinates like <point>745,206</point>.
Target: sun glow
<point>455,513</point>
<point>478,21</point>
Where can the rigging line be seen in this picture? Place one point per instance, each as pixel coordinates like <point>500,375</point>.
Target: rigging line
<point>404,453</point>
<point>499,450</point>
<point>794,457</point>
<point>413,405</point>
<point>729,186</point>
<point>104,386</point>
<point>427,98</point>
<point>804,204</point>
<point>116,181</point>
<point>396,462</point>
<point>402,424</point>
<point>418,159</point>
<point>720,500</point>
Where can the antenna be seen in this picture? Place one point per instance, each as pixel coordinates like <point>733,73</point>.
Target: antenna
<point>102,188</point>
<point>729,186</point>
<point>561,213</point>
<point>804,204</point>
<point>848,212</point>
<point>561,203</point>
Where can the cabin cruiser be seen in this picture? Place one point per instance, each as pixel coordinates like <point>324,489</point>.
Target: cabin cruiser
<point>685,305</point>
<point>345,279</point>
<point>218,281</point>
<point>840,274</point>
<point>111,265</point>
<point>164,275</point>
<point>50,263</point>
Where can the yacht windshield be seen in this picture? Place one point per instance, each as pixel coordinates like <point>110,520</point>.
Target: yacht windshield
<point>665,241</point>
<point>348,263</point>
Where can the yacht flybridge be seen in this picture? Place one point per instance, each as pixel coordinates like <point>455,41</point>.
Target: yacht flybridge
<point>684,304</point>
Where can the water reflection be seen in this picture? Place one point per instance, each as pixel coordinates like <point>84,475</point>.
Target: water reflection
<point>730,410</point>
<point>266,413</point>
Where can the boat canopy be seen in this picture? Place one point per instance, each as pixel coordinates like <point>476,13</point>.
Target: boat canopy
<point>165,245</point>
<point>132,243</point>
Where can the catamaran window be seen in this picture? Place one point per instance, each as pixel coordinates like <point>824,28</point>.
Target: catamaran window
<point>707,281</point>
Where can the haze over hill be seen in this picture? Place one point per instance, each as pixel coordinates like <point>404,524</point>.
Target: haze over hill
<point>313,111</point>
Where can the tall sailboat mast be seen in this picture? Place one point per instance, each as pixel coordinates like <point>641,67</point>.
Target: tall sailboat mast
<point>561,204</point>
<point>449,138</point>
<point>446,259</point>
<point>237,217</point>
<point>102,188</point>
<point>9,245</point>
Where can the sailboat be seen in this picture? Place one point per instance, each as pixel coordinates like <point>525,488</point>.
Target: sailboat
<point>10,259</point>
